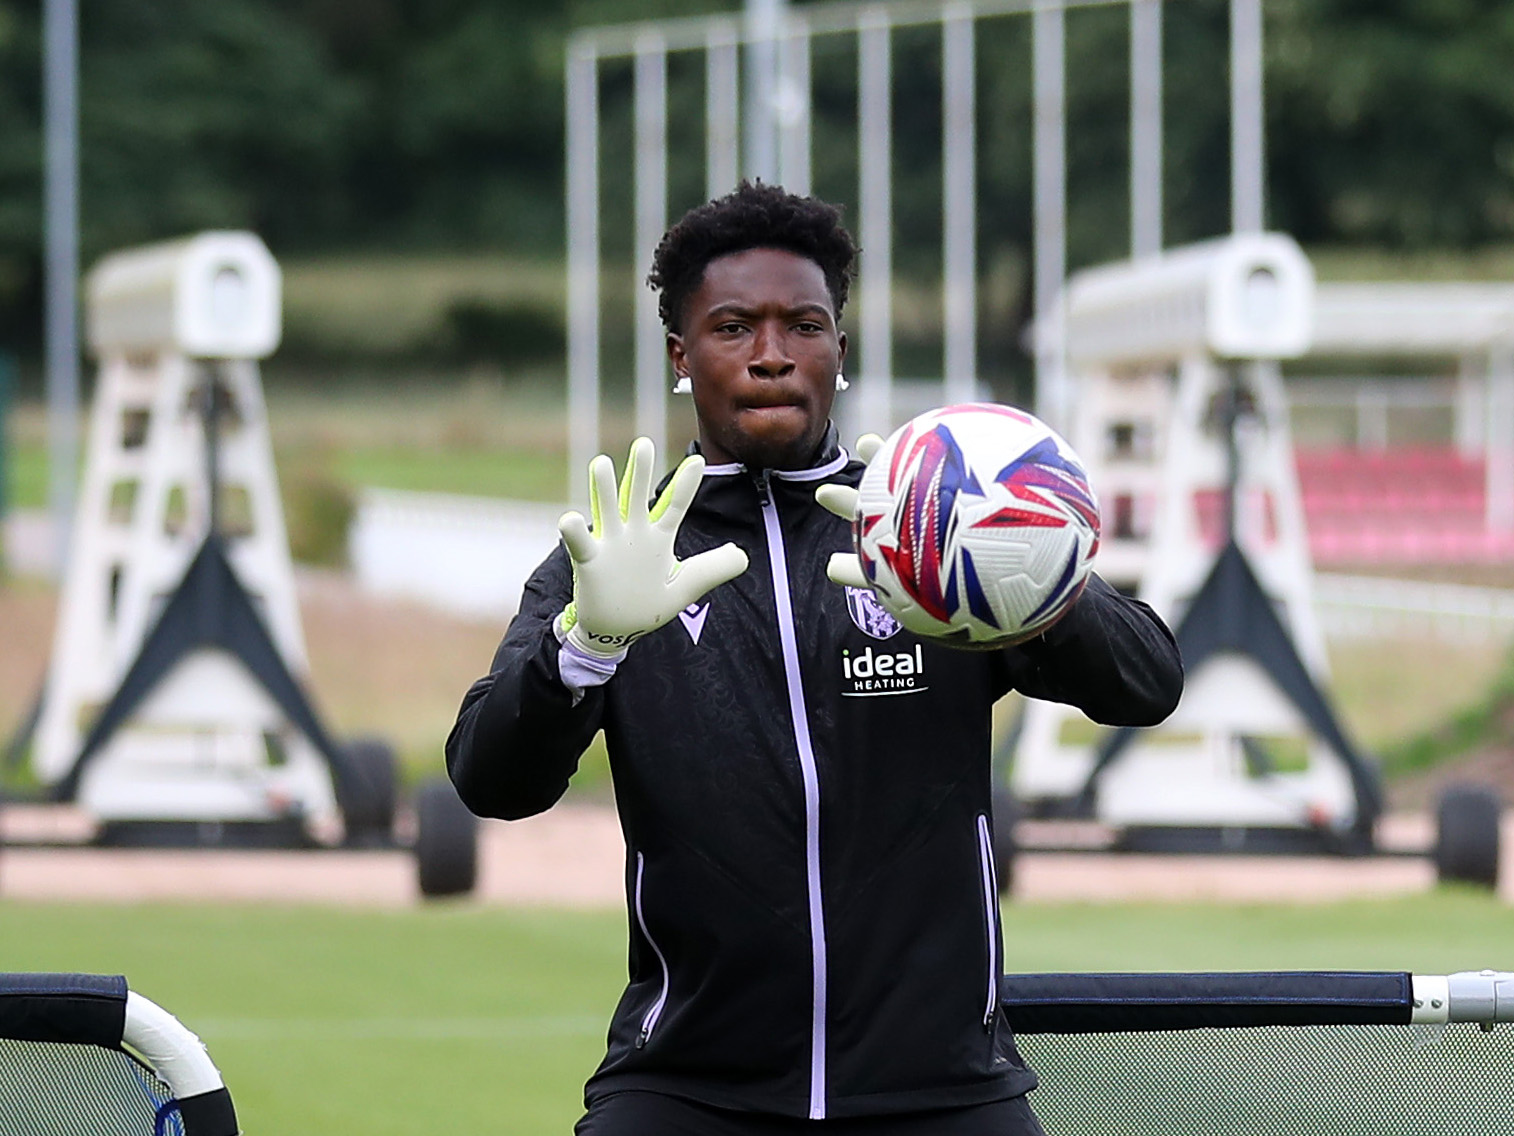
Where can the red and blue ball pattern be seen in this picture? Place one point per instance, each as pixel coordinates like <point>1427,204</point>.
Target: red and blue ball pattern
<point>976,525</point>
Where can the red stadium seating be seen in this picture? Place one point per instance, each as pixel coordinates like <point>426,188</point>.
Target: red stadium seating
<point>1407,505</point>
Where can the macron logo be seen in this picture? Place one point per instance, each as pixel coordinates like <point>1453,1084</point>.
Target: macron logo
<point>692,618</point>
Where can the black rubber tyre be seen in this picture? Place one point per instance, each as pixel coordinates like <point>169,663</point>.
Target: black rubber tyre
<point>1006,814</point>
<point>368,804</point>
<point>446,841</point>
<point>1466,835</point>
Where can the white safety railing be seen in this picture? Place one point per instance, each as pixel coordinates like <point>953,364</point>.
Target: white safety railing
<point>468,556</point>
<point>1369,607</point>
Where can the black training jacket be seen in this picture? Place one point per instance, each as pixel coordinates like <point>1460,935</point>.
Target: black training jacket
<point>804,791</point>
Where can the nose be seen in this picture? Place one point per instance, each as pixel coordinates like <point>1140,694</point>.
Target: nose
<point>770,356</point>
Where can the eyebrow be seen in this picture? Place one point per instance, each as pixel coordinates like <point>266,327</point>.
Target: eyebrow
<point>735,309</point>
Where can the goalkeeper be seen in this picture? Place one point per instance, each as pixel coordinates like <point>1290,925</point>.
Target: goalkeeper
<point>814,922</point>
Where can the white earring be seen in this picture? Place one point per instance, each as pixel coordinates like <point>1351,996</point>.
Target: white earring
<point>684,385</point>
<point>841,383</point>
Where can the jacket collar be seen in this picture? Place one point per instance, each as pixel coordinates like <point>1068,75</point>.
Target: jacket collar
<point>830,458</point>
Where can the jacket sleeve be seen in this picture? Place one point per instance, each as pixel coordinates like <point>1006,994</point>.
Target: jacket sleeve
<point>521,731</point>
<point>1110,656</point>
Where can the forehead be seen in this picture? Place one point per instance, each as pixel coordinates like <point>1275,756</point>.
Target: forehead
<point>760,277</point>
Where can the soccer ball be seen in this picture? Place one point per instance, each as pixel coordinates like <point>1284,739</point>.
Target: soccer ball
<point>975,525</point>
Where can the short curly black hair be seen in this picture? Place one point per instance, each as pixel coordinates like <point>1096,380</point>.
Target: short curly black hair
<point>753,215</point>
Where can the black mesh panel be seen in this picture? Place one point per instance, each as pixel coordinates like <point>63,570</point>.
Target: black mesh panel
<point>53,1089</point>
<point>1341,1080</point>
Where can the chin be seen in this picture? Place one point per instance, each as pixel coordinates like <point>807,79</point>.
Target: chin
<point>775,453</point>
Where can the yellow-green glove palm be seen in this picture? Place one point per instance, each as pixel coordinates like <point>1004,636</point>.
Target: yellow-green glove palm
<point>626,580</point>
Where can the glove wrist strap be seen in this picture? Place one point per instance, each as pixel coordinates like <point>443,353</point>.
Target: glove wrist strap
<point>576,638</point>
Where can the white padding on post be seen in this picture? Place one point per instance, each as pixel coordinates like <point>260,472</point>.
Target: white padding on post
<point>173,1051</point>
<point>216,295</point>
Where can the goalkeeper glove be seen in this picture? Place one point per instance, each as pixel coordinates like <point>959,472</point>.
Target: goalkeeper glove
<point>626,580</point>
<point>845,567</point>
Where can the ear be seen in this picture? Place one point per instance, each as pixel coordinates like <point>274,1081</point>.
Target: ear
<point>676,354</point>
<point>840,350</point>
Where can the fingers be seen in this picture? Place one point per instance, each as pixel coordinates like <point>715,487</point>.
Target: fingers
<point>604,516</point>
<point>668,513</point>
<point>698,574</point>
<point>838,499</point>
<point>842,499</point>
<point>636,484</point>
<point>845,568</point>
<point>582,546</point>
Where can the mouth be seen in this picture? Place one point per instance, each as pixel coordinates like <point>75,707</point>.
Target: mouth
<point>771,403</point>
<point>785,415</point>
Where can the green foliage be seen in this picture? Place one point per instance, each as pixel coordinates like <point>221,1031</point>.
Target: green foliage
<point>318,509</point>
<point>1487,722</point>
<point>480,471</point>
<point>395,309</point>
<point>402,125</point>
<point>26,478</point>
<point>478,331</point>
<point>20,173</point>
<point>1392,121</point>
<point>193,116</point>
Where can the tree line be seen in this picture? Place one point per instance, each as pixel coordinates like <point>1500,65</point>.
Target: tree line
<point>330,125</point>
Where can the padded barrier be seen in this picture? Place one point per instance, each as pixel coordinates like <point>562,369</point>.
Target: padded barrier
<point>1265,1054</point>
<point>80,1055</point>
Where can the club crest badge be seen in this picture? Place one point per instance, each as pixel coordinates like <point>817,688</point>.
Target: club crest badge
<point>869,615</point>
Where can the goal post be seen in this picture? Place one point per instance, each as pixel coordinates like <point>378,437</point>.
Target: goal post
<point>81,1054</point>
<point>774,57</point>
<point>1267,1054</point>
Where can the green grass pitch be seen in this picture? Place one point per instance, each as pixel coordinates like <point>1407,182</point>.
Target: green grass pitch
<point>458,1018</point>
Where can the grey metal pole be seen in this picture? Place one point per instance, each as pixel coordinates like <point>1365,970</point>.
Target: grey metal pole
<point>791,107</point>
<point>875,203</point>
<point>721,110</point>
<point>1500,439</point>
<point>1049,63</point>
<point>583,267</point>
<point>1247,145</point>
<point>7,391</point>
<point>1145,127</point>
<point>651,219</point>
<point>1467,424</point>
<point>959,219</point>
<point>60,101</point>
<point>764,19</point>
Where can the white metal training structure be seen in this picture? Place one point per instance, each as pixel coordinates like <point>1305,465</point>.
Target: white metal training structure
<point>778,42</point>
<point>1154,344</point>
<point>164,321</point>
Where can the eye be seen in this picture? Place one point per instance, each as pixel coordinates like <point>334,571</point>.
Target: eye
<point>730,327</point>
<point>809,327</point>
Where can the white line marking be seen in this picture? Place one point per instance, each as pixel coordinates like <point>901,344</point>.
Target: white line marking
<point>399,1029</point>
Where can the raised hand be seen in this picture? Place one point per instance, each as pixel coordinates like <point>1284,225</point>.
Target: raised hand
<point>626,580</point>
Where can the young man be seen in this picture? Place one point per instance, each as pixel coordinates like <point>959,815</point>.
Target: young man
<point>814,924</point>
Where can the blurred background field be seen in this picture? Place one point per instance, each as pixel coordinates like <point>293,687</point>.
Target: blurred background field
<point>359,1023</point>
